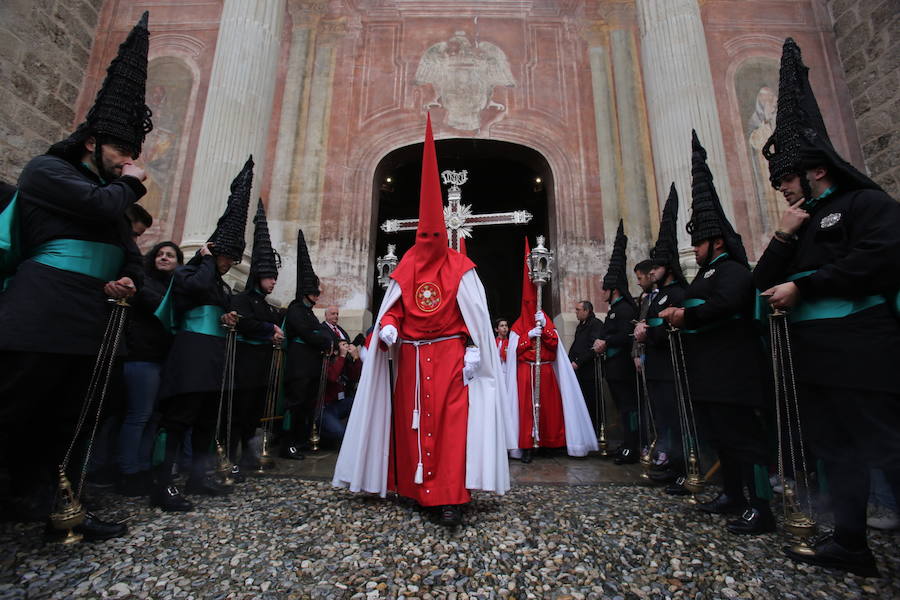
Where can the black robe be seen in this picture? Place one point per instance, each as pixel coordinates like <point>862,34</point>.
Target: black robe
<point>852,241</point>
<point>657,355</point>
<point>146,338</point>
<point>617,330</point>
<point>45,309</point>
<point>304,359</point>
<point>257,323</point>
<point>196,360</point>
<point>725,356</point>
<point>580,351</point>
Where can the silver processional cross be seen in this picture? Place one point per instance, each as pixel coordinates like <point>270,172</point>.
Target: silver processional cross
<point>459,217</point>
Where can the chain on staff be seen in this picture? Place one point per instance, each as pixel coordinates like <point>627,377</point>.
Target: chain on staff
<point>789,431</point>
<point>266,457</point>
<point>68,512</point>
<point>224,466</point>
<point>693,480</point>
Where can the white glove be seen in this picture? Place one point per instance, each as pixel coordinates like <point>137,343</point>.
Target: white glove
<point>540,319</point>
<point>388,334</point>
<point>536,332</point>
<point>470,363</point>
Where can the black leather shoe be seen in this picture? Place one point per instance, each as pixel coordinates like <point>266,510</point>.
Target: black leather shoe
<point>723,504</point>
<point>170,499</point>
<point>450,515</point>
<point>293,453</point>
<point>626,457</point>
<point>829,554</point>
<point>753,522</point>
<point>237,475</point>
<point>676,488</point>
<point>207,486</point>
<point>667,476</point>
<point>93,529</point>
<point>527,455</point>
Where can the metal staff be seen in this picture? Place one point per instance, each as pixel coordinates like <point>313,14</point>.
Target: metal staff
<point>539,261</point>
<point>386,265</point>
<point>316,436</point>
<point>224,466</point>
<point>600,395</point>
<point>266,458</point>
<point>68,512</point>
<point>787,406</point>
<point>647,428</point>
<point>693,481</point>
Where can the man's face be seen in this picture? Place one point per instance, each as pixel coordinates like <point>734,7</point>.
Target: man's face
<point>267,284</point>
<point>503,329</point>
<point>643,279</point>
<point>331,315</point>
<point>657,275</point>
<point>224,264</point>
<point>581,312</point>
<point>701,253</point>
<point>312,298</point>
<point>112,158</point>
<point>790,188</point>
<point>605,295</point>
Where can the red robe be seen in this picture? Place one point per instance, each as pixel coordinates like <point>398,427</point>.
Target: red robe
<point>443,414</point>
<point>552,427</point>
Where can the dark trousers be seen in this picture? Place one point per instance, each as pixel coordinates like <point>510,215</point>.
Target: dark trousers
<point>737,434</point>
<point>853,431</point>
<point>195,411</point>
<point>301,394</point>
<point>249,404</point>
<point>666,417</point>
<point>624,394</point>
<point>588,384</point>
<point>41,396</point>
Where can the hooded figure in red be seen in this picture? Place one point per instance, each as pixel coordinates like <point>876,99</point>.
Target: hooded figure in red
<point>530,325</point>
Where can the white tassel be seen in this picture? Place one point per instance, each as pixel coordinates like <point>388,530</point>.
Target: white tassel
<point>415,422</point>
<point>418,478</point>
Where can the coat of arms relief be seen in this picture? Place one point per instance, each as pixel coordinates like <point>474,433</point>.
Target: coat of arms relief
<point>463,76</point>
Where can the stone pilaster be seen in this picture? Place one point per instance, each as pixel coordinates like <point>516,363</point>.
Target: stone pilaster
<point>680,97</point>
<point>238,109</point>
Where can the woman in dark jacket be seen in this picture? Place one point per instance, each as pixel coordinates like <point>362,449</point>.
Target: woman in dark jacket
<point>148,345</point>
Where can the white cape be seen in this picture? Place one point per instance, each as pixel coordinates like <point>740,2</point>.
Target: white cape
<point>362,464</point>
<point>580,435</point>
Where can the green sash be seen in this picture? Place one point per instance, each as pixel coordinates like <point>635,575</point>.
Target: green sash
<point>9,241</point>
<point>610,352</point>
<point>654,322</point>
<point>205,319</point>
<point>94,259</point>
<point>165,312</point>
<point>692,302</point>
<point>829,308</point>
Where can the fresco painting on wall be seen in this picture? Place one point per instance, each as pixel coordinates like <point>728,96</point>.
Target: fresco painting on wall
<point>169,84</point>
<point>756,86</point>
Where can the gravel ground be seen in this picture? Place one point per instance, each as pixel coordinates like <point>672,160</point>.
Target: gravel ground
<point>289,538</point>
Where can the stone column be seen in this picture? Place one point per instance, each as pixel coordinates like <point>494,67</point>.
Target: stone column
<point>238,109</point>
<point>680,97</point>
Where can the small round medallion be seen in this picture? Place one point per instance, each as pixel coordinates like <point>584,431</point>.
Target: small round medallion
<point>428,297</point>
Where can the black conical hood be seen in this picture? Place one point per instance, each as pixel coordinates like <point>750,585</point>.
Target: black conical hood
<point>264,260</point>
<point>800,140</point>
<point>615,278</point>
<point>228,238</point>
<point>307,280</point>
<point>708,220</point>
<point>119,114</point>
<point>665,252</point>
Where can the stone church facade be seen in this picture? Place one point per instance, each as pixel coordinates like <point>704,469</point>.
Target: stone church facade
<point>321,91</point>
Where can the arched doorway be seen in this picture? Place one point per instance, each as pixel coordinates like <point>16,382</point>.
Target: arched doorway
<point>501,177</point>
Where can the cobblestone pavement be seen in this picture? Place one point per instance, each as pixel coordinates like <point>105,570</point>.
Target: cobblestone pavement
<point>284,537</point>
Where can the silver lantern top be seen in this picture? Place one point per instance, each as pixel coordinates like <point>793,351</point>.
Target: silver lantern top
<point>540,260</point>
<point>386,265</point>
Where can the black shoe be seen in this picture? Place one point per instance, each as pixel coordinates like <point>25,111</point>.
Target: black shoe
<point>829,554</point>
<point>170,499</point>
<point>92,530</point>
<point>527,455</point>
<point>236,475</point>
<point>626,457</point>
<point>293,453</point>
<point>133,485</point>
<point>207,486</point>
<point>753,522</point>
<point>667,476</point>
<point>450,515</point>
<point>723,504</point>
<point>677,488</point>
